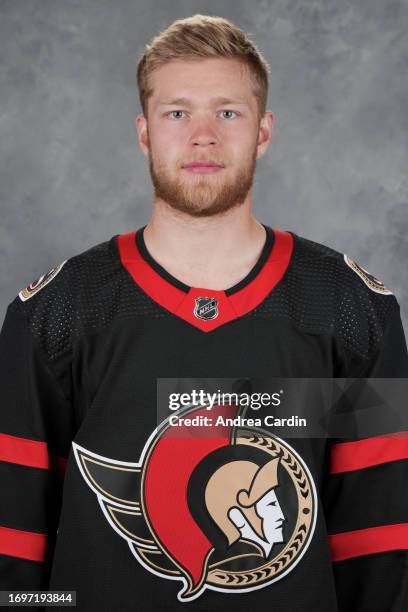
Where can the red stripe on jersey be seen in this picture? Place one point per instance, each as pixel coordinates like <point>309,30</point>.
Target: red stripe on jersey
<point>271,273</point>
<point>183,304</point>
<point>348,456</point>
<point>24,451</point>
<point>23,544</point>
<point>368,541</point>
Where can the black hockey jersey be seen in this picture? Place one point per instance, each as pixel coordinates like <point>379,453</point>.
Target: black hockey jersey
<point>137,504</point>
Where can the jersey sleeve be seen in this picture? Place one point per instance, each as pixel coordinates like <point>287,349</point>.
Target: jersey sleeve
<point>35,429</point>
<point>366,495</point>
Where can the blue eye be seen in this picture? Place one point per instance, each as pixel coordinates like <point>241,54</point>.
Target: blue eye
<point>180,111</point>
<point>228,111</point>
<point>176,111</point>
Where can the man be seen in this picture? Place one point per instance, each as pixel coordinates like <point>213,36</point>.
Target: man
<point>101,494</point>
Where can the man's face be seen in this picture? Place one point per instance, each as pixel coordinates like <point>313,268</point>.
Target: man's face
<point>205,111</point>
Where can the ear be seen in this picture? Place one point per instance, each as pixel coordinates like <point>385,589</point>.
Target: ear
<point>265,133</point>
<point>141,128</point>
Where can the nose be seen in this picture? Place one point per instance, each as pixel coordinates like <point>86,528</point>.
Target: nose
<point>203,133</point>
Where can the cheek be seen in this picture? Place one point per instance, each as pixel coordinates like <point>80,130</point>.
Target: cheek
<point>165,161</point>
<point>239,143</point>
<point>167,144</point>
<point>160,135</point>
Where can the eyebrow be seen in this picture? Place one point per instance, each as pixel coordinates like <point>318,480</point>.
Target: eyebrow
<point>219,100</point>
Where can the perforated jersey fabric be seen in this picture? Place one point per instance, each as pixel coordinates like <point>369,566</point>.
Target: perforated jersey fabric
<point>319,294</point>
<point>87,469</point>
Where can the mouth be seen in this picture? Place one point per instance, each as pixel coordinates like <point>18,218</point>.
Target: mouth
<point>204,167</point>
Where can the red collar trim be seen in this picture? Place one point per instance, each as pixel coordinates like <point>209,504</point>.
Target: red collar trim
<point>215,303</point>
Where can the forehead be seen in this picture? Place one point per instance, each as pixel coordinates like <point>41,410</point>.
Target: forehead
<point>213,79</point>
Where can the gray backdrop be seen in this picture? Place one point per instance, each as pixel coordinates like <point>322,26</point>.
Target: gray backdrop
<point>72,174</point>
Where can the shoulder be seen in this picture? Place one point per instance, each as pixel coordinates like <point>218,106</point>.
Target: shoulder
<point>69,273</point>
<point>56,303</point>
<point>328,263</point>
<point>339,295</point>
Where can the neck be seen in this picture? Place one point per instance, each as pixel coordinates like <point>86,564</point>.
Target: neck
<point>212,252</point>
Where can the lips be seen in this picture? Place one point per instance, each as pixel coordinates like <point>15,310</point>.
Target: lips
<point>203,164</point>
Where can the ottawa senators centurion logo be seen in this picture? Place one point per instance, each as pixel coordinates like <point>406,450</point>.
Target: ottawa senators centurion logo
<point>231,510</point>
<point>39,283</point>
<point>371,281</point>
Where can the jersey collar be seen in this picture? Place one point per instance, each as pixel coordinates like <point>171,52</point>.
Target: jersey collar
<point>206,308</point>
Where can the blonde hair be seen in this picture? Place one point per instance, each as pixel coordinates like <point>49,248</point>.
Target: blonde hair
<point>199,37</point>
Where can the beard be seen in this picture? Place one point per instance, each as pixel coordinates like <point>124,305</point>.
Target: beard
<point>202,195</point>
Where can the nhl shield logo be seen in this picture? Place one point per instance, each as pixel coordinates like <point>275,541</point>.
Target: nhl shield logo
<point>230,512</point>
<point>206,308</point>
